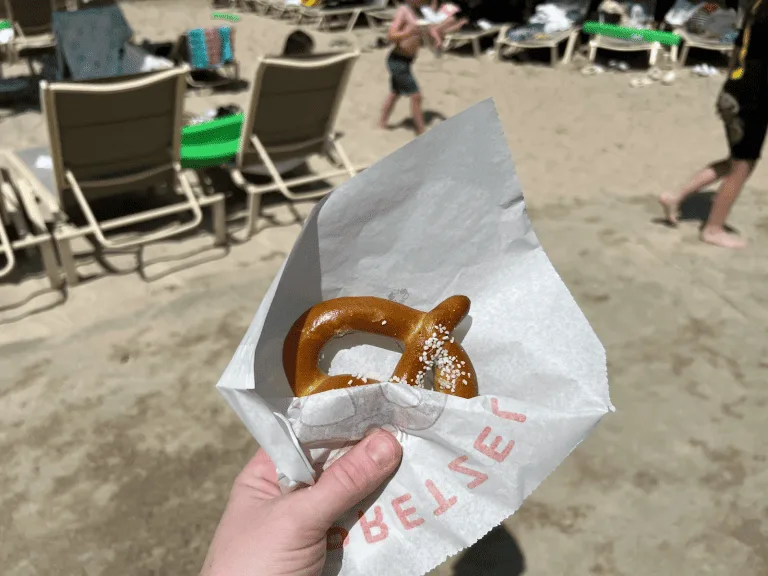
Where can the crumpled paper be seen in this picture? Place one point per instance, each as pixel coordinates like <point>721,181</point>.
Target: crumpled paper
<point>443,215</point>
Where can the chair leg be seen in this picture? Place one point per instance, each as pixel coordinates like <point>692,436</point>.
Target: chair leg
<point>476,47</point>
<point>553,53</point>
<point>348,166</point>
<point>50,265</point>
<point>592,52</point>
<point>353,20</point>
<point>673,54</point>
<point>570,47</point>
<point>219,222</point>
<point>252,215</point>
<point>653,56</point>
<point>684,55</point>
<point>68,261</point>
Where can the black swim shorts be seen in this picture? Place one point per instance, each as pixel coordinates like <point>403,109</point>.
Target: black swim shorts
<point>402,81</point>
<point>745,127</point>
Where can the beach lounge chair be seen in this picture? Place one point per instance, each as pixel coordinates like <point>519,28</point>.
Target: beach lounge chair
<point>32,24</point>
<point>108,139</point>
<point>719,35</point>
<point>22,229</point>
<point>535,35</point>
<point>325,17</point>
<point>472,35</point>
<point>599,42</point>
<point>699,42</point>
<point>210,55</point>
<point>379,19</point>
<point>292,113</point>
<point>276,8</point>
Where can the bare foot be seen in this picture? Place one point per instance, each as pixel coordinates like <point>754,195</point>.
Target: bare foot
<point>384,125</point>
<point>670,206</point>
<point>720,237</point>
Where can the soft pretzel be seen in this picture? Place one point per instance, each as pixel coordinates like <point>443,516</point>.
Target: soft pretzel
<point>426,336</point>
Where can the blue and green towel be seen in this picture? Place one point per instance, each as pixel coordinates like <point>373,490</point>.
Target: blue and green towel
<point>211,47</point>
<point>91,42</point>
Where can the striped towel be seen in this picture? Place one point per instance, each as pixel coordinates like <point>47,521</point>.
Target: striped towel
<point>211,47</point>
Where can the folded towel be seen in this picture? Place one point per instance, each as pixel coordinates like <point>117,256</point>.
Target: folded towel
<point>227,45</point>
<point>198,52</point>
<point>211,47</point>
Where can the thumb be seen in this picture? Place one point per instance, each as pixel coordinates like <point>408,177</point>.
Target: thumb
<point>350,479</point>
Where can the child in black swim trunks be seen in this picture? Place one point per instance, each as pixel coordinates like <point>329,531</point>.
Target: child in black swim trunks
<point>743,106</point>
<point>405,34</point>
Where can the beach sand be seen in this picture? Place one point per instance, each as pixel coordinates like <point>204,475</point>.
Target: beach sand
<point>118,453</point>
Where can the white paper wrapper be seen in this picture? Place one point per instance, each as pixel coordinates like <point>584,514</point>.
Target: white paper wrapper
<point>443,215</point>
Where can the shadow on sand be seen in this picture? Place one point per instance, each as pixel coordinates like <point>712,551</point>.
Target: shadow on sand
<point>495,554</point>
<point>695,208</point>
<point>430,116</point>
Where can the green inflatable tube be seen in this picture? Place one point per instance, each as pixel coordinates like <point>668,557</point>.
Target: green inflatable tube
<point>4,24</point>
<point>211,143</point>
<point>637,34</point>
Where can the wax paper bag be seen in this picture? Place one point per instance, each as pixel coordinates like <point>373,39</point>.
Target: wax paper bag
<point>444,215</point>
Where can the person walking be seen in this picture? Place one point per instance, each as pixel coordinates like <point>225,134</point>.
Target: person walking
<point>743,107</point>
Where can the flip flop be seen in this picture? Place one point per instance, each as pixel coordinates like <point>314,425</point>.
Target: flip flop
<point>592,70</point>
<point>669,78</point>
<point>641,82</point>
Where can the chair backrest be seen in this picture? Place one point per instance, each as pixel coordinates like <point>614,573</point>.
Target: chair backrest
<point>33,17</point>
<point>112,130</point>
<point>294,104</point>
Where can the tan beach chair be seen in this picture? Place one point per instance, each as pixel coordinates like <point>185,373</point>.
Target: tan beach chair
<point>550,41</point>
<point>325,18</point>
<point>29,229</point>
<point>598,42</point>
<point>472,37</point>
<point>110,138</point>
<point>32,24</point>
<point>291,115</point>
<point>690,40</point>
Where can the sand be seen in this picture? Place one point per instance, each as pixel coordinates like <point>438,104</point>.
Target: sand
<point>118,453</point>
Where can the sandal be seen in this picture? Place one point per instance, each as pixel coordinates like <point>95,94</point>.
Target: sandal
<point>641,82</point>
<point>592,70</point>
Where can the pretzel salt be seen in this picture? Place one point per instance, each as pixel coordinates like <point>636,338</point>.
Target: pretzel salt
<point>426,336</point>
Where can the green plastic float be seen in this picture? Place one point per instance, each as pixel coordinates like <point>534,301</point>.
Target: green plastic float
<point>4,24</point>
<point>636,34</point>
<point>211,143</point>
<point>226,16</point>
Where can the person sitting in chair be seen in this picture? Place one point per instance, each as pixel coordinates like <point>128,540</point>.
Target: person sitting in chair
<point>297,43</point>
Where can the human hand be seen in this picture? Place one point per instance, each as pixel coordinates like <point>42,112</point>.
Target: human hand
<point>266,533</point>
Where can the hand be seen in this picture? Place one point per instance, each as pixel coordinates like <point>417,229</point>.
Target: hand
<point>266,533</point>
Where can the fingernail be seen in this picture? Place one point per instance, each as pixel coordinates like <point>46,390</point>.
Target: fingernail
<point>381,449</point>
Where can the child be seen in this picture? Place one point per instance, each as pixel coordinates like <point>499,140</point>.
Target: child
<point>298,43</point>
<point>744,111</point>
<point>405,34</point>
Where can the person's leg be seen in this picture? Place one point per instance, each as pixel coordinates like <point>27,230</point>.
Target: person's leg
<point>418,115</point>
<point>714,231</point>
<point>703,178</point>
<point>386,112</point>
